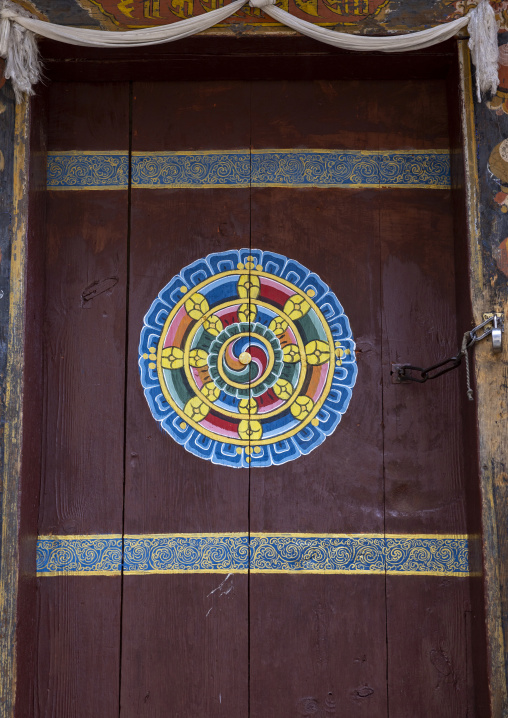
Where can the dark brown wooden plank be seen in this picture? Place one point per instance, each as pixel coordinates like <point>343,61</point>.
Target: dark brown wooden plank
<point>185,646</point>
<point>177,655</point>
<point>350,115</point>
<point>334,234</point>
<point>84,376</point>
<point>256,58</point>
<point>430,654</point>
<point>79,647</point>
<point>82,481</point>
<point>318,642</point>
<point>318,646</point>
<point>88,116</point>
<point>425,491</point>
<point>429,670</point>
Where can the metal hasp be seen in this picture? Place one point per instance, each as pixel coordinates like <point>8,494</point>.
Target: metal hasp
<point>492,325</point>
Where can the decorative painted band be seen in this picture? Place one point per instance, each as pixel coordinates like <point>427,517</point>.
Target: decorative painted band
<point>438,555</point>
<point>417,169</point>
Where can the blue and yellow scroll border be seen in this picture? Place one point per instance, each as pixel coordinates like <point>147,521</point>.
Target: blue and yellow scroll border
<point>112,555</point>
<point>416,169</point>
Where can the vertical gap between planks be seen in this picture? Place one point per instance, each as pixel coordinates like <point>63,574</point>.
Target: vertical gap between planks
<point>126,377</point>
<point>249,447</point>
<point>381,361</point>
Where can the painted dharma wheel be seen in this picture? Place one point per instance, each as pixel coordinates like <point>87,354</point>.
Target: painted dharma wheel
<point>247,359</point>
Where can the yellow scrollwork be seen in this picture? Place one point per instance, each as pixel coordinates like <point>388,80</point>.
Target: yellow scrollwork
<point>318,352</point>
<point>248,406</point>
<point>196,409</point>
<point>250,430</point>
<point>302,407</point>
<point>291,354</point>
<point>213,325</point>
<point>172,358</point>
<point>198,358</point>
<point>283,389</point>
<point>248,286</point>
<point>296,307</point>
<point>196,305</point>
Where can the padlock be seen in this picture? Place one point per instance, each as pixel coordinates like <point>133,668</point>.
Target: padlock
<point>497,337</point>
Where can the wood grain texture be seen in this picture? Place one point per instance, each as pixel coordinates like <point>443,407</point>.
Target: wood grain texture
<point>185,639</point>
<point>84,377</point>
<point>318,646</point>
<point>424,479</point>
<point>327,114</point>
<point>490,373</point>
<point>84,332</point>
<point>334,234</point>
<point>13,414</point>
<point>185,646</point>
<point>318,643</point>
<point>226,58</point>
<point>79,647</point>
<point>32,415</point>
<point>427,647</point>
<point>82,480</point>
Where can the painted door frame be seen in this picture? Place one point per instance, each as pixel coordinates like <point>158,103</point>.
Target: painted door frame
<point>17,577</point>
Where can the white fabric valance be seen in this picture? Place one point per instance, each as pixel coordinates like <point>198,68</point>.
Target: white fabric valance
<point>18,30</point>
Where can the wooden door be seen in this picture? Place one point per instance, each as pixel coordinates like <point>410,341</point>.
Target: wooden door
<point>323,572</point>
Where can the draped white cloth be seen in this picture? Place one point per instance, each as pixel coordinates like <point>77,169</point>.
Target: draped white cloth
<point>18,29</point>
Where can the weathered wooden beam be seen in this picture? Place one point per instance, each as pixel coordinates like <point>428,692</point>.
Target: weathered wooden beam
<point>490,371</point>
<point>13,431</point>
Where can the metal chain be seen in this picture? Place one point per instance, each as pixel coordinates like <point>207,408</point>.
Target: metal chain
<point>405,372</point>
<point>464,351</point>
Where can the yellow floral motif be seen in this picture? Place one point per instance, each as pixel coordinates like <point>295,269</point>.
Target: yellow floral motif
<point>198,358</point>
<point>172,358</point>
<point>296,307</point>
<point>302,407</point>
<point>196,409</point>
<point>248,286</point>
<point>278,326</point>
<point>248,406</point>
<point>247,313</point>
<point>318,352</point>
<point>196,305</point>
<point>249,264</point>
<point>291,354</point>
<point>250,430</point>
<point>283,389</point>
<point>210,391</point>
<point>213,325</point>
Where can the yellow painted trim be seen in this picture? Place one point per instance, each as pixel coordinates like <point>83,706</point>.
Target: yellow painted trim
<point>75,537</point>
<point>43,574</point>
<point>106,188</point>
<point>80,153</point>
<point>161,572</point>
<point>9,560</point>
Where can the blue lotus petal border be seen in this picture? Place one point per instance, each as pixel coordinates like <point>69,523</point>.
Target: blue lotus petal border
<point>261,553</point>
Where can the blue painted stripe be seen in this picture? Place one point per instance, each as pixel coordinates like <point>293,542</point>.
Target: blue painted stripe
<point>234,553</point>
<point>88,170</point>
<point>262,168</point>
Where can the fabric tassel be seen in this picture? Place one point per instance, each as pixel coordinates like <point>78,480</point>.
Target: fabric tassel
<point>483,31</point>
<point>18,30</point>
<point>19,48</point>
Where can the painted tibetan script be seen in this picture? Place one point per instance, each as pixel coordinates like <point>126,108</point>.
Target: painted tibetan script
<point>247,359</point>
<point>146,13</point>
